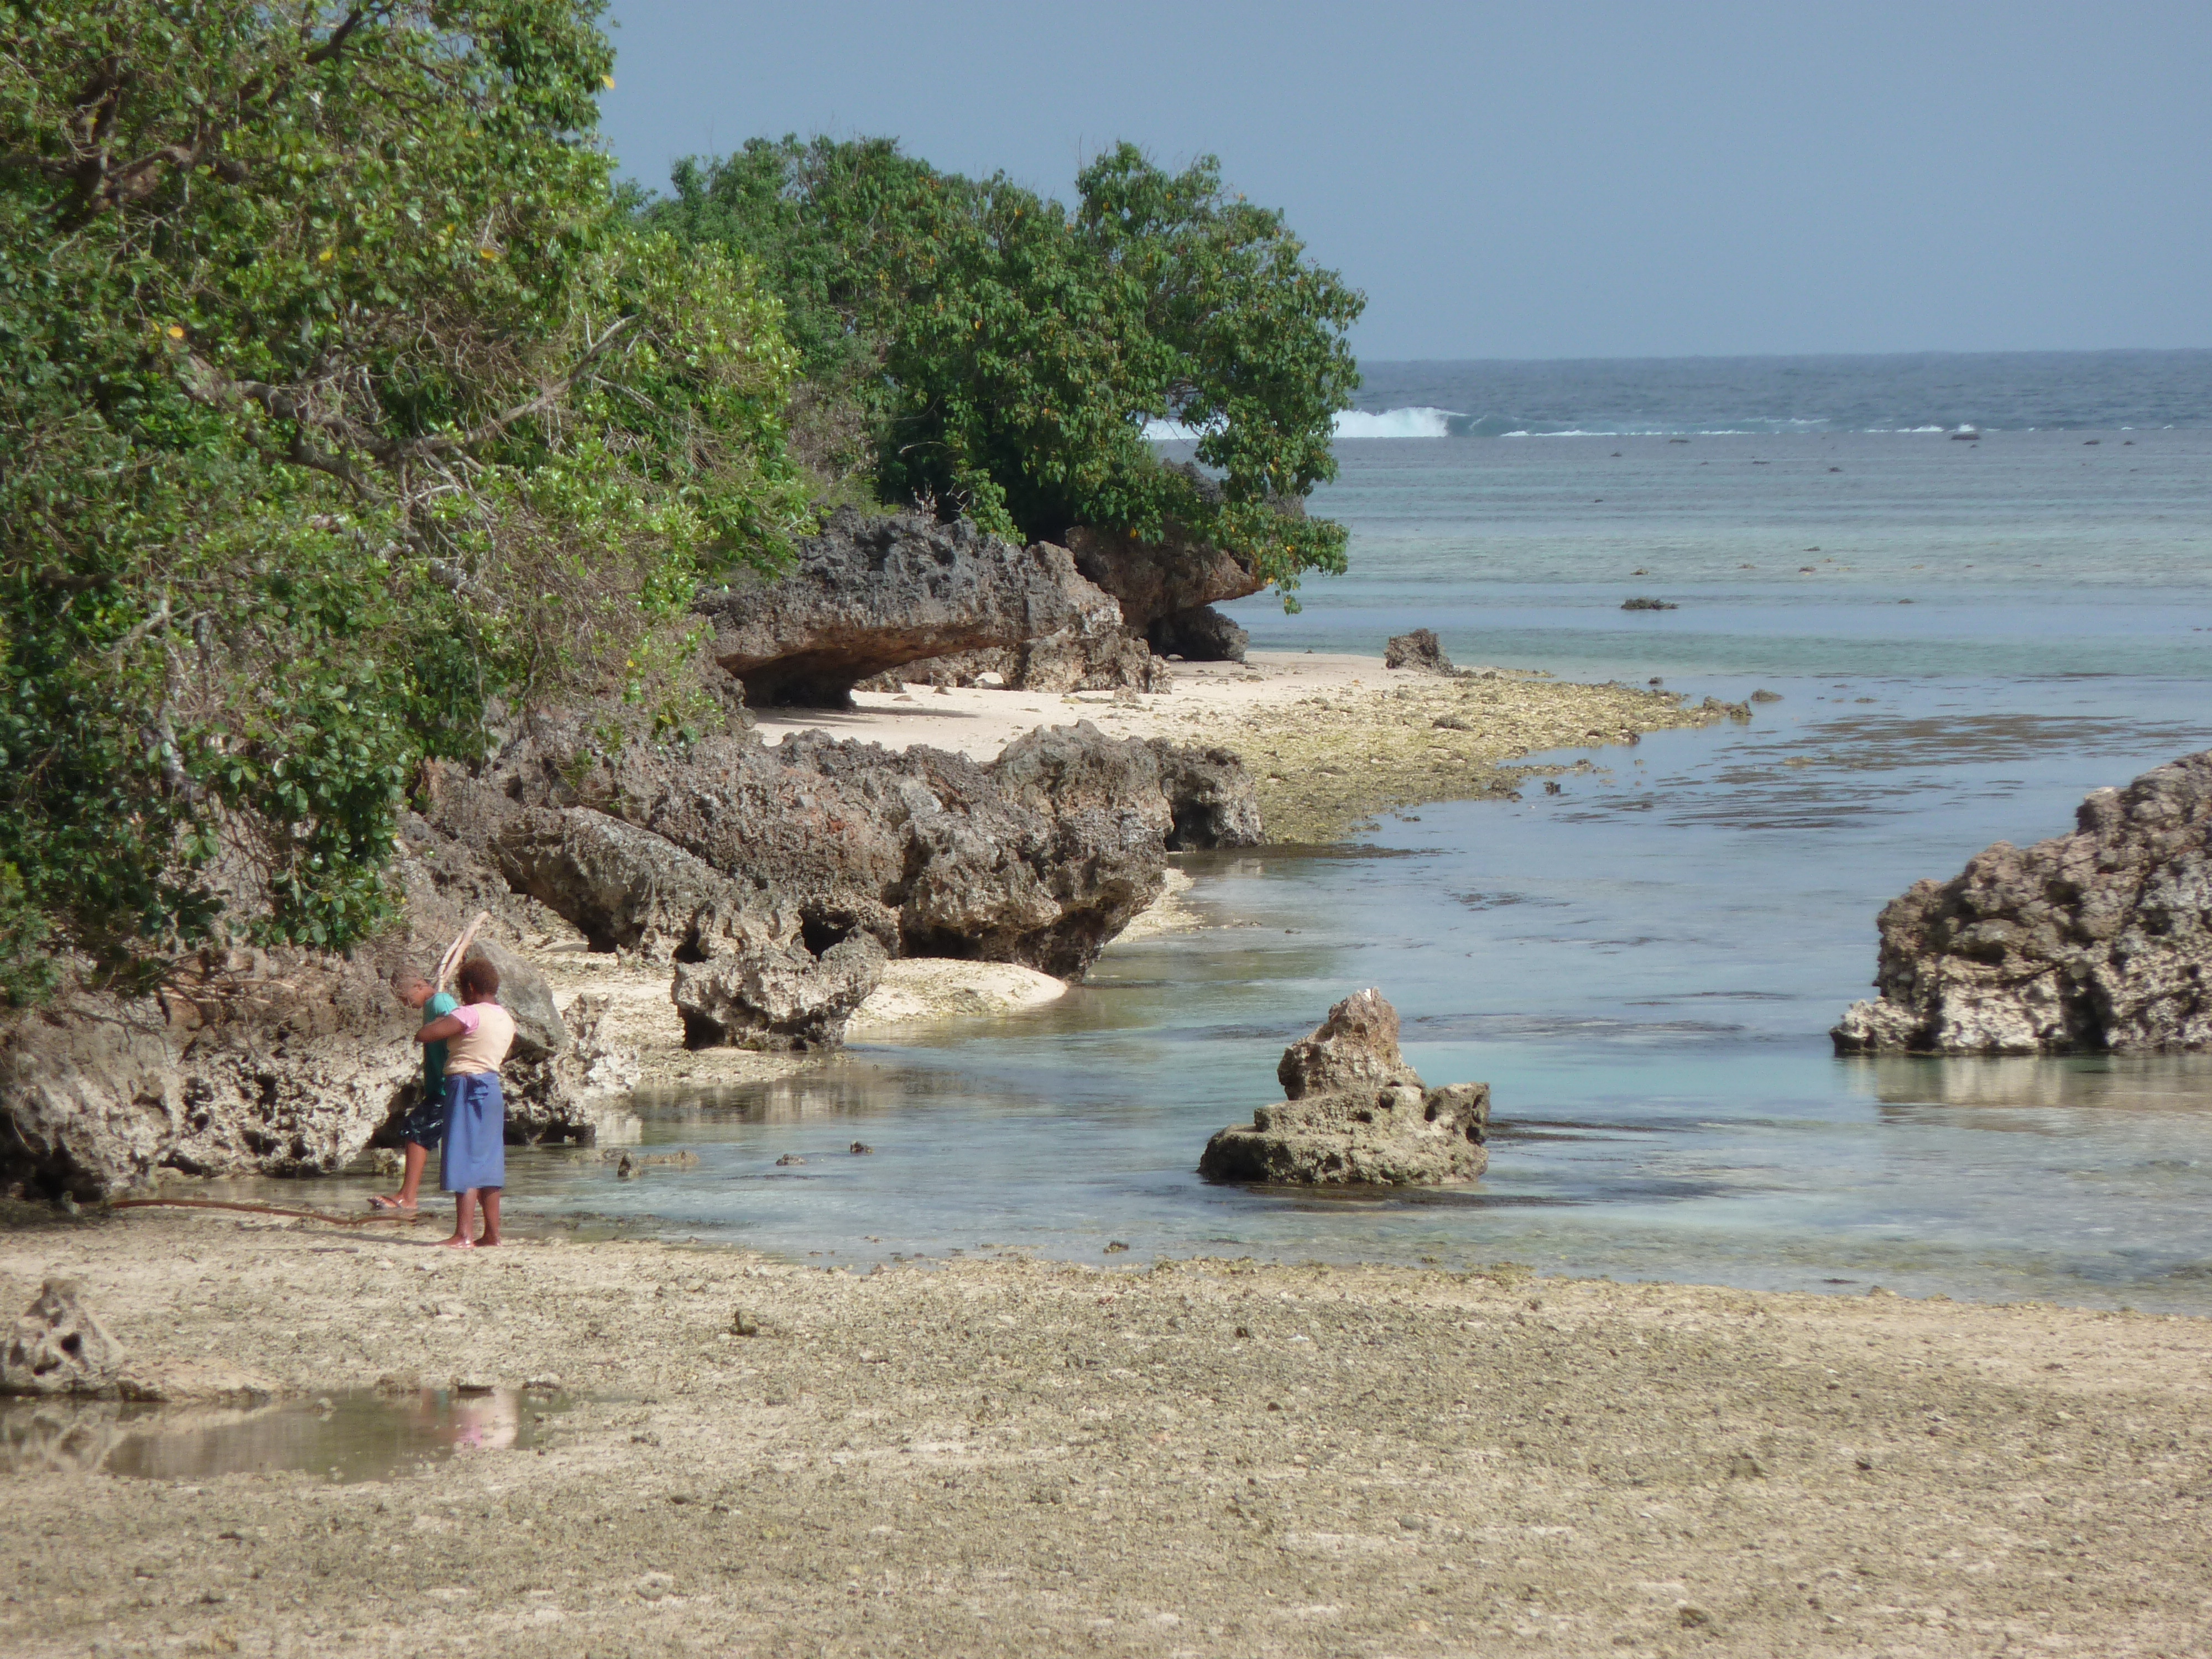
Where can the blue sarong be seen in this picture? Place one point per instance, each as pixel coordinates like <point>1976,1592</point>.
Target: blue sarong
<point>474,1153</point>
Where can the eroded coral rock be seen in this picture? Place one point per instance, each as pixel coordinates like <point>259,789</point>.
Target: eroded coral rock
<point>58,1346</point>
<point>757,981</point>
<point>1420,650</point>
<point>2098,941</point>
<point>1201,634</point>
<point>1356,1113</point>
<point>871,593</point>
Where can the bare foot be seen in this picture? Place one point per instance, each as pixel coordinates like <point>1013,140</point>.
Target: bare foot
<point>391,1206</point>
<point>459,1242</point>
<point>484,1241</point>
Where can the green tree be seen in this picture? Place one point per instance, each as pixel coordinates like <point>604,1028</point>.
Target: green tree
<point>339,407</point>
<point>1001,354</point>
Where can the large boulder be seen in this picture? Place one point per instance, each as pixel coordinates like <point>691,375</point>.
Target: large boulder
<point>1179,572</point>
<point>1355,1113</point>
<point>871,593</point>
<point>624,888</point>
<point>1094,653</point>
<point>1201,634</point>
<point>2098,941</point>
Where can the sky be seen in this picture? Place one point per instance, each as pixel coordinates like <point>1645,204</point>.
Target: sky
<point>1557,181</point>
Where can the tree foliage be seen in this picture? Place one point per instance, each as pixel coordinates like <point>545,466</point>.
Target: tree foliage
<point>1004,352</point>
<point>338,405</point>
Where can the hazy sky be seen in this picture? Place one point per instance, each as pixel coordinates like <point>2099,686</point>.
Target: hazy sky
<point>1557,181</point>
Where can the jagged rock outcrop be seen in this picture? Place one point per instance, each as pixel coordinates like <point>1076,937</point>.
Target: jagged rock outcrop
<point>1095,652</point>
<point>278,1062</point>
<point>58,1347</point>
<point>1179,572</point>
<point>2098,941</point>
<point>1355,1113</point>
<point>870,593</point>
<point>624,888</point>
<point>1038,858</point>
<point>1201,634</point>
<point>1420,650</point>
<point>750,980</point>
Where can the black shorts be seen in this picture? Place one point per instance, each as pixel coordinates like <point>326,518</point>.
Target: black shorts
<point>426,1123</point>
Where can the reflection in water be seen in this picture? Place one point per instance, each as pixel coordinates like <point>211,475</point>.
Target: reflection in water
<point>2134,1083</point>
<point>354,1435</point>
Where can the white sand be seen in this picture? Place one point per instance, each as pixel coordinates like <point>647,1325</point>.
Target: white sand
<point>979,722</point>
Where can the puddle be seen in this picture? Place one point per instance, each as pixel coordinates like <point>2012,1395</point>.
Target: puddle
<point>357,1434</point>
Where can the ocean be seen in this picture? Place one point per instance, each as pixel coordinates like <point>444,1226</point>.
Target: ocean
<point>1966,635</point>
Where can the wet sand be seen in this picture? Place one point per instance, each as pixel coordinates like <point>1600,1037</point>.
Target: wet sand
<point>1007,1457</point>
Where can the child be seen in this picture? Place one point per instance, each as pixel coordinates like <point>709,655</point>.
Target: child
<point>426,1123</point>
<point>473,1160</point>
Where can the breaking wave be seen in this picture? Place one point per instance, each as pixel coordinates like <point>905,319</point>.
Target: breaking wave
<point>1427,421</point>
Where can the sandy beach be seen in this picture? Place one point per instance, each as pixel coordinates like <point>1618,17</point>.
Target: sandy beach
<point>1331,738</point>
<point>1200,1457</point>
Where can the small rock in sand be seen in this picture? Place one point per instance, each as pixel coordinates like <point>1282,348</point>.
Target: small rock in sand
<point>1420,650</point>
<point>58,1347</point>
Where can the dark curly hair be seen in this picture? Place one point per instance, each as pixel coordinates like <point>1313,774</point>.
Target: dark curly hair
<point>478,978</point>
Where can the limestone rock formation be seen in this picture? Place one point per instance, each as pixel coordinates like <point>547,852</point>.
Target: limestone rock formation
<point>625,888</point>
<point>773,880</point>
<point>58,1347</point>
<point>1038,858</point>
<point>280,1062</point>
<point>1420,650</point>
<point>1094,653</point>
<point>1201,634</point>
<point>1178,573</point>
<point>870,593</point>
<point>750,980</point>
<point>2098,941</point>
<point>1356,1113</point>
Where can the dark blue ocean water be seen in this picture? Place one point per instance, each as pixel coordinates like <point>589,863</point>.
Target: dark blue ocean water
<point>1967,637</point>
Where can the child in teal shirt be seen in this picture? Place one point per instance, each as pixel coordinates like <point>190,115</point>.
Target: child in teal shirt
<point>426,1120</point>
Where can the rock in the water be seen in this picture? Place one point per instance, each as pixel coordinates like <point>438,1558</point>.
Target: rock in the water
<point>1420,650</point>
<point>758,983</point>
<point>58,1347</point>
<point>870,593</point>
<point>1356,1113</point>
<point>2098,941</point>
<point>1201,634</point>
<point>1210,797</point>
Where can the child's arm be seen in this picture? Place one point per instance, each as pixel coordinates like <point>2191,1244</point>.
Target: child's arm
<point>444,1029</point>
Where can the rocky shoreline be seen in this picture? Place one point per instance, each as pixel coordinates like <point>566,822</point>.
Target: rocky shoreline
<point>1015,1457</point>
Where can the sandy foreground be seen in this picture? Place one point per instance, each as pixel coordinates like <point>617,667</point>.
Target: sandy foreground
<point>1203,1457</point>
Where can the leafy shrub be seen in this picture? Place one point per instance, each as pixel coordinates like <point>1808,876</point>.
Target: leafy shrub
<point>339,407</point>
<point>996,352</point>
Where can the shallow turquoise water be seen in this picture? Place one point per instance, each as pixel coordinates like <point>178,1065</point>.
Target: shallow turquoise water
<point>1644,966</point>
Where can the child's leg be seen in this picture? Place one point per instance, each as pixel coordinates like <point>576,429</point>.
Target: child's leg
<point>411,1182</point>
<point>403,1201</point>
<point>465,1214</point>
<point>490,1235</point>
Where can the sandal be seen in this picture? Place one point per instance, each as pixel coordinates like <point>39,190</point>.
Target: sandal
<point>392,1204</point>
